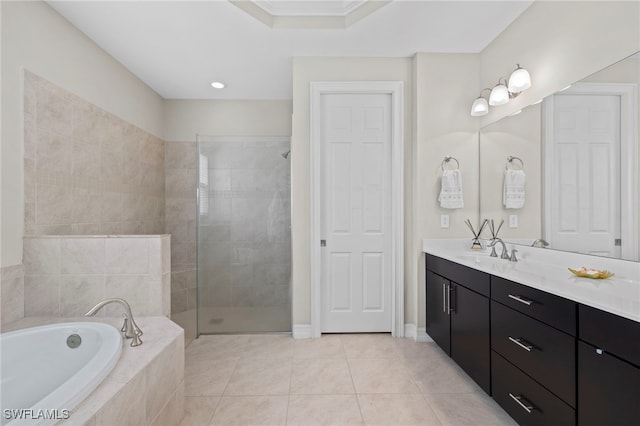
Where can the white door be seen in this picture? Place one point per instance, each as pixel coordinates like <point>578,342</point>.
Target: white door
<point>356,275</point>
<point>585,186</point>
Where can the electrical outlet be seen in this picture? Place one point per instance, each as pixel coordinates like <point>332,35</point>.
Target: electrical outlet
<point>444,221</point>
<point>513,221</point>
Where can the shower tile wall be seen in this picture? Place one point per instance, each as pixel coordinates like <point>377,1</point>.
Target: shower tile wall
<point>245,243</point>
<point>180,195</point>
<point>87,171</point>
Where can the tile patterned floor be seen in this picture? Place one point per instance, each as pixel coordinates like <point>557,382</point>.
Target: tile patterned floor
<point>346,379</point>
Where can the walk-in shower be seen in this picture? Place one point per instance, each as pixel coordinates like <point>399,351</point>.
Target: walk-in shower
<point>244,235</point>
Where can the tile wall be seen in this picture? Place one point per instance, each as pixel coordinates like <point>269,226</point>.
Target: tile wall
<point>67,275</point>
<point>86,171</point>
<point>180,219</point>
<point>11,293</point>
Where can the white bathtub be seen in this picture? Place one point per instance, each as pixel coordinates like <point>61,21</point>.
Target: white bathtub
<point>43,378</point>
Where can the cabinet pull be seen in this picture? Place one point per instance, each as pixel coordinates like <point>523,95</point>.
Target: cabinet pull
<point>444,298</point>
<point>526,405</point>
<point>452,289</point>
<point>521,300</point>
<point>448,299</point>
<point>519,341</point>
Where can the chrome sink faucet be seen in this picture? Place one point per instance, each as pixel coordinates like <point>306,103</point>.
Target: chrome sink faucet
<point>505,251</point>
<point>540,243</point>
<point>129,328</point>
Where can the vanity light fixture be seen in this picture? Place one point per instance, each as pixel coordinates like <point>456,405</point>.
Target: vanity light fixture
<point>519,80</point>
<point>499,94</point>
<point>480,105</point>
<point>217,85</point>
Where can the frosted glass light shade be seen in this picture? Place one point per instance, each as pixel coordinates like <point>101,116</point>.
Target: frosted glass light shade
<point>480,107</point>
<point>519,80</point>
<point>499,95</point>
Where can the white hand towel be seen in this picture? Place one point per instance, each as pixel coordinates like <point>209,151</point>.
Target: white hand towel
<point>513,193</point>
<point>451,191</point>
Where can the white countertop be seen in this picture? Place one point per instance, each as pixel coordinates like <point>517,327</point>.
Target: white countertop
<point>546,270</point>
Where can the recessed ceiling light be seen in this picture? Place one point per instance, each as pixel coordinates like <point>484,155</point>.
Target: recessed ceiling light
<point>217,85</point>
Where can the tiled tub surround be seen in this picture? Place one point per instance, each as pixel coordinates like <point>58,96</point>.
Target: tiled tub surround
<point>180,196</point>
<point>11,293</point>
<point>146,387</point>
<point>67,275</point>
<point>87,171</point>
<point>546,270</point>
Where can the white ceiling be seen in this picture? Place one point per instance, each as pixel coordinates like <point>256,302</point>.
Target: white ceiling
<point>179,47</point>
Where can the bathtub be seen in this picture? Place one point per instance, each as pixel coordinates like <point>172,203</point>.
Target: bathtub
<point>48,370</point>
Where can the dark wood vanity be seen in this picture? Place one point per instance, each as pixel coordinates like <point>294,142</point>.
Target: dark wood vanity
<point>545,359</point>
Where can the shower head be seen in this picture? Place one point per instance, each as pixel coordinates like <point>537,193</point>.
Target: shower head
<point>285,155</point>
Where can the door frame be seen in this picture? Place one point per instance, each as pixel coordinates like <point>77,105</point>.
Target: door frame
<point>628,93</point>
<point>396,90</point>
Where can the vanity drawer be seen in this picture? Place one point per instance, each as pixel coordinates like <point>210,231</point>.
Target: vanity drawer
<point>614,334</point>
<point>524,399</point>
<point>544,353</point>
<point>472,279</point>
<point>548,308</point>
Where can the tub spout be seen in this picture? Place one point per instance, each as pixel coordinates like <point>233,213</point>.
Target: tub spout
<point>130,328</point>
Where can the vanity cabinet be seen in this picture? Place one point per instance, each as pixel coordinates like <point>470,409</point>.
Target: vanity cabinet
<point>458,316</point>
<point>545,359</point>
<point>608,369</point>
<point>533,354</point>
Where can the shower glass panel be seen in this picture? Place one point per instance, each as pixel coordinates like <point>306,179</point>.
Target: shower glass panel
<point>244,235</point>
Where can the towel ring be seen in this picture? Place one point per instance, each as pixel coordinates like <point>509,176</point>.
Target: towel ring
<point>446,161</point>
<point>510,160</point>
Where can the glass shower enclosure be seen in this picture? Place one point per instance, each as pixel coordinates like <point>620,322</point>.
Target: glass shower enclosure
<point>243,235</point>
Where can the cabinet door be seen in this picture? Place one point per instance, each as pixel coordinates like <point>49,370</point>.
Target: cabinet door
<point>470,342</point>
<point>438,326</point>
<point>608,389</point>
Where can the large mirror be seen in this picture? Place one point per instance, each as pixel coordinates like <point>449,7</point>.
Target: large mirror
<point>565,170</point>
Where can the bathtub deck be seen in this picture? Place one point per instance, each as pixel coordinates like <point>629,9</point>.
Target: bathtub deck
<point>147,384</point>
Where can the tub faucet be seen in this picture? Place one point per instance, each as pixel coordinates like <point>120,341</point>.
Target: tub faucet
<point>540,243</point>
<point>505,251</point>
<point>129,328</point>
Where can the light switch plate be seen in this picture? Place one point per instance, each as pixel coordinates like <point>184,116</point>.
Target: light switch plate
<point>513,221</point>
<point>444,221</point>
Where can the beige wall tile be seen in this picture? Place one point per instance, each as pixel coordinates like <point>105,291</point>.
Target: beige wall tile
<point>41,295</point>
<point>127,255</point>
<point>41,256</point>
<point>69,141</point>
<point>82,256</point>
<point>173,411</point>
<point>127,407</point>
<point>180,155</point>
<point>132,288</point>
<point>163,375</point>
<point>12,293</point>
<point>78,293</point>
<point>54,204</point>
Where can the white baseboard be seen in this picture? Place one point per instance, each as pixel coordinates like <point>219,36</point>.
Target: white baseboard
<point>301,331</point>
<point>410,331</point>
<point>422,336</point>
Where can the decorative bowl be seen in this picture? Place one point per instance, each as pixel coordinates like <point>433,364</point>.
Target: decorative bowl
<point>592,273</point>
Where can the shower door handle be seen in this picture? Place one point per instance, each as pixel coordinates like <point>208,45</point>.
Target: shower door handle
<point>323,243</point>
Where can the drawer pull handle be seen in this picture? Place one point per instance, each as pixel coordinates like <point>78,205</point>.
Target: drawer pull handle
<point>526,405</point>
<point>524,345</point>
<point>444,298</point>
<point>521,300</point>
